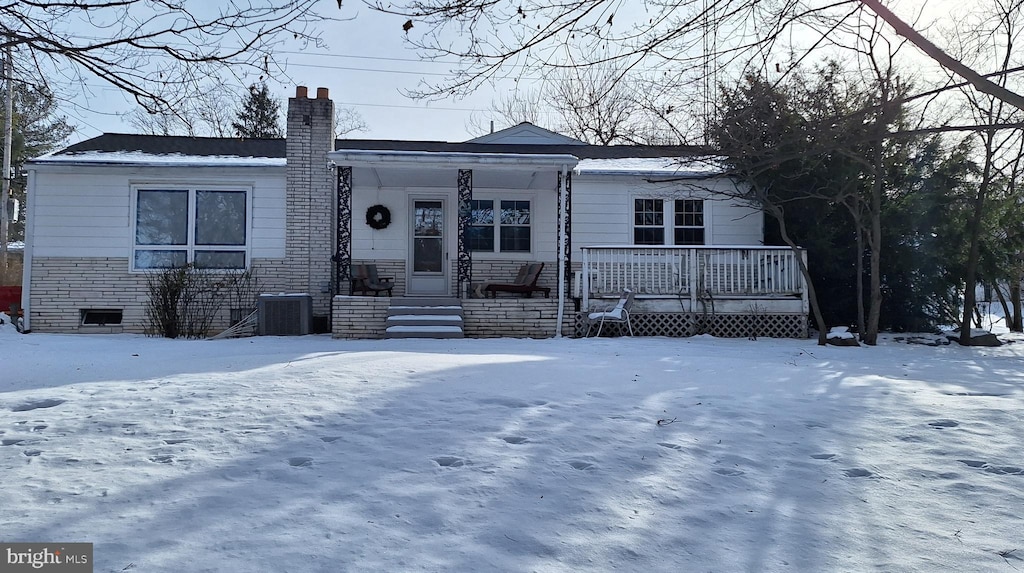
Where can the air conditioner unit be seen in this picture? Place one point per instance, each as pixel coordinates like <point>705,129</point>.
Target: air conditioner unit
<point>285,314</point>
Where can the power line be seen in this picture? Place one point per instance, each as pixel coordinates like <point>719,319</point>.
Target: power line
<point>379,58</point>
<point>372,70</point>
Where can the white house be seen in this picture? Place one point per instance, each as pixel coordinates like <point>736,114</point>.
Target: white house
<point>441,219</point>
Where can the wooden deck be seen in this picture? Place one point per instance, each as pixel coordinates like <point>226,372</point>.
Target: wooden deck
<point>740,275</point>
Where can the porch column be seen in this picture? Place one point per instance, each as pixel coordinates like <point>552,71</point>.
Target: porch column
<point>465,260</point>
<point>563,244</point>
<point>343,252</point>
<point>567,238</point>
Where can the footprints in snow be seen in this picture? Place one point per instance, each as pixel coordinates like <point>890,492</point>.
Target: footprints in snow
<point>38,405</point>
<point>451,461</point>
<point>512,402</point>
<point>993,469</point>
<point>30,426</point>
<point>458,462</point>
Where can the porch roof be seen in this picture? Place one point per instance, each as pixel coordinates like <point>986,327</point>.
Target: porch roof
<point>396,159</point>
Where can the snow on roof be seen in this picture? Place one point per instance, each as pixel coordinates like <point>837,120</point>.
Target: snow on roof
<point>674,166</point>
<point>654,166</point>
<point>142,158</point>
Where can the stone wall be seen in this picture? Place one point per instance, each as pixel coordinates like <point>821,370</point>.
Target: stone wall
<point>360,316</point>
<point>64,286</point>
<point>512,317</point>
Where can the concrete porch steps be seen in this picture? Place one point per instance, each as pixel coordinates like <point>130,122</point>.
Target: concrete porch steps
<point>424,318</point>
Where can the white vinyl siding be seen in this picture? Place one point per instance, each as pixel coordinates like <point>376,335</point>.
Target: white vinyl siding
<point>603,212</point>
<point>87,211</point>
<point>392,243</point>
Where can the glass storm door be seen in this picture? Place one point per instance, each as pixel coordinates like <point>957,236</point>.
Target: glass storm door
<point>428,273</point>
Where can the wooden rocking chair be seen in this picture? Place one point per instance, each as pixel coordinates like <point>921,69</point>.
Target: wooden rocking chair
<point>365,280</point>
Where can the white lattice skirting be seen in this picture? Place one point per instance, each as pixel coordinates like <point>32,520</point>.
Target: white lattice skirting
<point>721,325</point>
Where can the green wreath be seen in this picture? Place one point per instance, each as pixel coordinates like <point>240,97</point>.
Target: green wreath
<point>378,217</point>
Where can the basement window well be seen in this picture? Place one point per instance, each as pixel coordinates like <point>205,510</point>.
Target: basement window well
<point>101,316</point>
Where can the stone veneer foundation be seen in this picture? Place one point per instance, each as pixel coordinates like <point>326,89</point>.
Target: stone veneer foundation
<point>62,287</point>
<point>365,317</point>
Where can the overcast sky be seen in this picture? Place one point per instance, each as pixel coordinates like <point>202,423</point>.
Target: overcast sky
<point>367,66</point>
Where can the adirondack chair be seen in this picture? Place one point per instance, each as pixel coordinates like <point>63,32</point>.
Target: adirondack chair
<point>365,281</point>
<point>524,283</point>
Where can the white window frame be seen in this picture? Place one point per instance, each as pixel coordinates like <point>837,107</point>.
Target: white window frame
<point>497,199</point>
<point>190,247</point>
<point>668,226</point>
<point>703,216</point>
<point>633,226</point>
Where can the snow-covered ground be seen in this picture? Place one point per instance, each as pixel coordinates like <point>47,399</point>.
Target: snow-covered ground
<point>647,454</point>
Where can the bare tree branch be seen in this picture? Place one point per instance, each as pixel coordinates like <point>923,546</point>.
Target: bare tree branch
<point>158,51</point>
<point>956,66</point>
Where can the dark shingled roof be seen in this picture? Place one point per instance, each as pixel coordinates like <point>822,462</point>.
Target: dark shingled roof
<point>211,146</point>
<point>168,144</point>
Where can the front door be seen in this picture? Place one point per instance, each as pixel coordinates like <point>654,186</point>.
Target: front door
<point>428,274</point>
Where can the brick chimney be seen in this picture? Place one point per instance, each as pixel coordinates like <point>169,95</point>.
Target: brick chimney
<point>310,209</point>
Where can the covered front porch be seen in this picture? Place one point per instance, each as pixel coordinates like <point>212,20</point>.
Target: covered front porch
<point>455,219</point>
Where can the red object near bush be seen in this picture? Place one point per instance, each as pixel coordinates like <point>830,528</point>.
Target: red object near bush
<point>9,295</point>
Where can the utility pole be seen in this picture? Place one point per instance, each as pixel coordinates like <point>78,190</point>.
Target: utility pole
<point>5,190</point>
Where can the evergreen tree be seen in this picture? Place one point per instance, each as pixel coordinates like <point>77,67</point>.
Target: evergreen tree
<point>804,144</point>
<point>37,130</point>
<point>258,116</point>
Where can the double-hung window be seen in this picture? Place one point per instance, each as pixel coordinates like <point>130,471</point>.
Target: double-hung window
<point>648,222</point>
<point>668,222</point>
<point>480,233</point>
<point>500,225</point>
<point>689,222</point>
<point>205,227</point>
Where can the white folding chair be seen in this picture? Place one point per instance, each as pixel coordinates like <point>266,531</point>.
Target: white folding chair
<point>618,314</point>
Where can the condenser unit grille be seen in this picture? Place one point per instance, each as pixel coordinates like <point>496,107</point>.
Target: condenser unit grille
<point>285,315</point>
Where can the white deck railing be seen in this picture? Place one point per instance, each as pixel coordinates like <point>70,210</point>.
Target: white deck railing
<point>692,272</point>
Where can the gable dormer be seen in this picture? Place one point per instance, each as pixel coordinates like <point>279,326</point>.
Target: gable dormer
<point>526,134</point>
